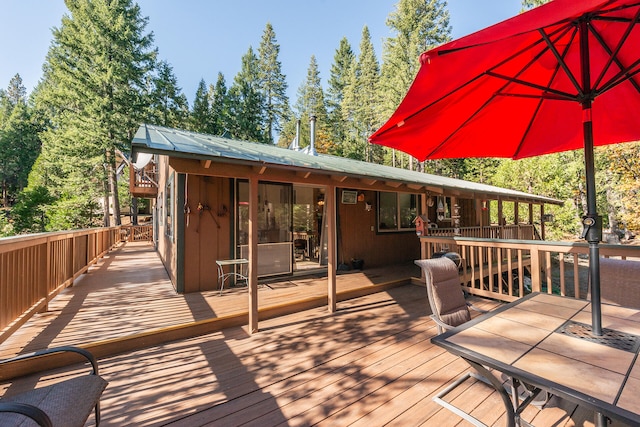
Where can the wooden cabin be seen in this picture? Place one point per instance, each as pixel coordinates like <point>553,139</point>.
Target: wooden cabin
<point>310,211</point>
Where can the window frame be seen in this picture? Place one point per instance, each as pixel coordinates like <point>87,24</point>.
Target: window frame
<point>397,227</point>
<point>168,205</point>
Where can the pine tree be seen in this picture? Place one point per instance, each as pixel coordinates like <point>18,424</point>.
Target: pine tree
<point>219,105</point>
<point>246,101</point>
<point>416,25</point>
<point>169,106</point>
<point>94,77</point>
<point>311,102</point>
<point>361,103</point>
<point>343,60</point>
<point>530,4</point>
<point>273,84</point>
<point>201,120</point>
<point>348,108</point>
<point>19,142</point>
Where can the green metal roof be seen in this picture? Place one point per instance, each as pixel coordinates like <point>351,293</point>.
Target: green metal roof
<point>186,144</point>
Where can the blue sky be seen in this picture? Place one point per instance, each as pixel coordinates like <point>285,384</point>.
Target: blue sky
<point>200,38</point>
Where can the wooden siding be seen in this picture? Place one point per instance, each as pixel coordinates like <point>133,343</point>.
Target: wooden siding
<point>358,237</point>
<point>207,230</point>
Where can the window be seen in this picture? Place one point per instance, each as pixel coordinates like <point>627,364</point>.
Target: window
<point>397,211</point>
<point>168,207</point>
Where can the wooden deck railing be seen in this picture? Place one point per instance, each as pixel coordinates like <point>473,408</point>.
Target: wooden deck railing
<point>136,233</point>
<point>35,268</point>
<point>508,269</point>
<point>517,232</point>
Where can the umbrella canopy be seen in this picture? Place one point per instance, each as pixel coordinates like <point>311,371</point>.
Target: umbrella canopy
<point>560,77</point>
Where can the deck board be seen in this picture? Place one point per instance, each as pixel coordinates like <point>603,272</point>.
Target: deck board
<point>371,363</point>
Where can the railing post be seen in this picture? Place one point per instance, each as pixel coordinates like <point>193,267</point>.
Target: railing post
<point>536,285</point>
<point>48,275</point>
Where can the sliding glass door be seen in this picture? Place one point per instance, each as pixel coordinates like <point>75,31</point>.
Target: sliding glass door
<point>275,223</point>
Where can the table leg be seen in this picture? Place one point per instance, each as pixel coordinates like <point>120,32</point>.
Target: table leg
<point>497,385</point>
<point>601,420</point>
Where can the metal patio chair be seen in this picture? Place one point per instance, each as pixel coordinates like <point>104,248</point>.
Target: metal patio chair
<point>619,282</point>
<point>449,309</point>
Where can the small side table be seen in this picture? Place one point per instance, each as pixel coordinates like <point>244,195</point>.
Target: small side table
<point>240,263</point>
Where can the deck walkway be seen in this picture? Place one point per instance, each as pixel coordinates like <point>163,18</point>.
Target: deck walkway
<point>371,363</point>
<point>128,295</point>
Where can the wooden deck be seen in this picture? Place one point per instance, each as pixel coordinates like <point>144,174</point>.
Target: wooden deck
<point>128,297</point>
<point>370,363</point>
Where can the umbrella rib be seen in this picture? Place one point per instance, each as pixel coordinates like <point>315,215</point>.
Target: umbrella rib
<point>561,61</point>
<point>613,55</point>
<point>618,79</point>
<point>509,80</point>
<point>545,89</point>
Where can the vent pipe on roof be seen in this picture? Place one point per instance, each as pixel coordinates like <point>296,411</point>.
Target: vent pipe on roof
<point>312,145</point>
<point>297,135</point>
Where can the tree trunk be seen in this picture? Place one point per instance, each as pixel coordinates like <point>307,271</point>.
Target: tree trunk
<point>113,185</point>
<point>105,188</point>
<point>134,210</point>
<point>612,199</point>
<point>5,194</point>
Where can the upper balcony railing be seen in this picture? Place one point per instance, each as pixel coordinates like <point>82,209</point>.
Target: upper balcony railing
<point>143,182</point>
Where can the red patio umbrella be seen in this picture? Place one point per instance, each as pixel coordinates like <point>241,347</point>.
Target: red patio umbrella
<point>559,77</point>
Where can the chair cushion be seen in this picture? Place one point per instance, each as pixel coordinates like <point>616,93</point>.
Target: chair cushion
<point>443,286</point>
<point>449,299</point>
<point>67,403</point>
<point>619,282</point>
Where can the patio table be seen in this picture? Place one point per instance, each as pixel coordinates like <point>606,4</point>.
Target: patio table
<point>544,341</point>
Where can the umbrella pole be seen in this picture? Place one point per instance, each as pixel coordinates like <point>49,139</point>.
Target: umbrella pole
<point>592,224</point>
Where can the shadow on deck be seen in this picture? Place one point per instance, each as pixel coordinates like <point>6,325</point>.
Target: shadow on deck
<point>126,301</point>
<point>369,364</point>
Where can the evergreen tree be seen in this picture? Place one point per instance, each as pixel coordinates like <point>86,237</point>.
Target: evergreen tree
<point>169,106</point>
<point>311,102</point>
<point>94,77</point>
<point>246,101</point>
<point>362,100</point>
<point>343,60</point>
<point>19,142</point>
<point>19,147</point>
<point>273,84</point>
<point>201,120</point>
<point>16,92</point>
<point>417,26</point>
<point>219,105</point>
<point>530,4</point>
